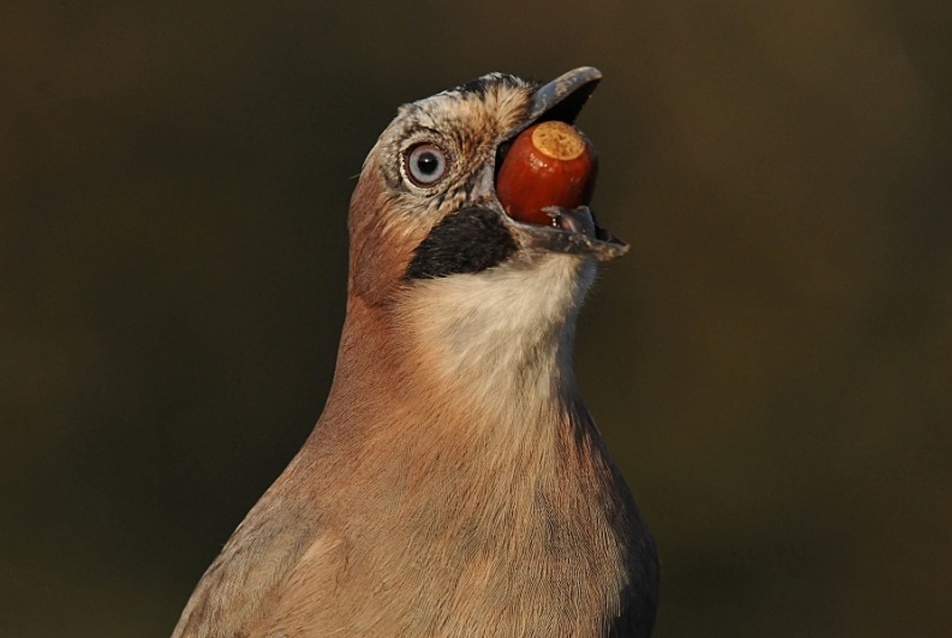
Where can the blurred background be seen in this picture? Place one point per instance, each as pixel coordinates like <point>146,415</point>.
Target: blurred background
<point>771,365</point>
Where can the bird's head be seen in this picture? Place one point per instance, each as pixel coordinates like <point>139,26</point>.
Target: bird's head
<point>426,206</point>
<point>432,245</point>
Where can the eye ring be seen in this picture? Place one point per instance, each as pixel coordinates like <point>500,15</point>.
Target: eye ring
<point>425,164</point>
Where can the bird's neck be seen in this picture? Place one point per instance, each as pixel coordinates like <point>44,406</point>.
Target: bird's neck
<point>488,351</point>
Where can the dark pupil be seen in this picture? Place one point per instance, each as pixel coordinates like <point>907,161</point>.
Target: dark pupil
<point>428,163</point>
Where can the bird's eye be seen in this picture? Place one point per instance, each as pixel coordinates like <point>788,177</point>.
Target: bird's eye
<point>425,164</point>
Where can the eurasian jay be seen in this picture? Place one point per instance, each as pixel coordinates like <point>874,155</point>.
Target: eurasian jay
<point>455,484</point>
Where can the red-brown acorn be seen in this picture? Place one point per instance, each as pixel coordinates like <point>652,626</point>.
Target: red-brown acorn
<point>549,164</point>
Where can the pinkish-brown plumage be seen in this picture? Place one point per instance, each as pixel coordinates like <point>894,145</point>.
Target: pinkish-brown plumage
<point>455,484</point>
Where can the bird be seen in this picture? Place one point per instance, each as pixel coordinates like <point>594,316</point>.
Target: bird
<point>455,483</point>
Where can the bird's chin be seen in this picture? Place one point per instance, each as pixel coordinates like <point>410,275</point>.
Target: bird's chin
<point>572,231</point>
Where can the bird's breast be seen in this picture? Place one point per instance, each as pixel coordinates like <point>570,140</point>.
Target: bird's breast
<point>467,535</point>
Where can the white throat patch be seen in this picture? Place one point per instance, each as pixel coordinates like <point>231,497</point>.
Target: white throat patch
<point>505,333</point>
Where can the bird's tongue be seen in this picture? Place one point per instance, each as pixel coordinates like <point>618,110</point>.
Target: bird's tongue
<point>576,220</point>
<point>547,177</point>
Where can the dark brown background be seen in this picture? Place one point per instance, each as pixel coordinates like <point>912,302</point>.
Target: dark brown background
<point>772,364</point>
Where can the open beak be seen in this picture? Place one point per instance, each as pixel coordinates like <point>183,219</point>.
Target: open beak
<point>575,230</point>
<point>563,98</point>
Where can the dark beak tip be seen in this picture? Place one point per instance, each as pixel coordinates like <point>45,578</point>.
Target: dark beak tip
<point>614,249</point>
<point>585,71</point>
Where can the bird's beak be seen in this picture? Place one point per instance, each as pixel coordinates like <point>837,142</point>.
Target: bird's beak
<point>573,231</point>
<point>563,98</point>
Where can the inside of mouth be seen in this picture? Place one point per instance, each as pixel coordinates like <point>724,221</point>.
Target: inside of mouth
<point>501,151</point>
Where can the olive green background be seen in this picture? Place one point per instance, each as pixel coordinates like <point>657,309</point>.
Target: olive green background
<point>771,364</point>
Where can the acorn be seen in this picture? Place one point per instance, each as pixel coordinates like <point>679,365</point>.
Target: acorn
<point>549,164</point>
